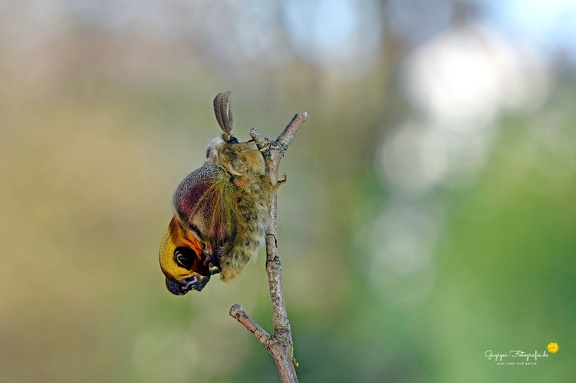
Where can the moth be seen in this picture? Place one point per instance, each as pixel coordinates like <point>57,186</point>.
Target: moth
<point>220,211</point>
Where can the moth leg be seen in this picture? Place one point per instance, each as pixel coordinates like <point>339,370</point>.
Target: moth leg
<point>229,169</point>
<point>210,261</point>
<point>213,269</point>
<point>265,146</point>
<point>280,182</point>
<point>246,146</point>
<point>251,143</point>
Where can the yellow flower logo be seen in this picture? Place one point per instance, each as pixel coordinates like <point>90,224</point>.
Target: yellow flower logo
<point>553,347</point>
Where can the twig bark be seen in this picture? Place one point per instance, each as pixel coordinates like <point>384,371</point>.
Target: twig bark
<point>279,344</point>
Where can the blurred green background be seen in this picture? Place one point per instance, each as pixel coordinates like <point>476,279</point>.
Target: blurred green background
<point>429,214</point>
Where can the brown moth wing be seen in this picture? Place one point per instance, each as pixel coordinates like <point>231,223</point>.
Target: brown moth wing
<point>205,203</point>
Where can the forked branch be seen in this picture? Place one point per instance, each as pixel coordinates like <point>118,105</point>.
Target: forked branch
<point>279,344</point>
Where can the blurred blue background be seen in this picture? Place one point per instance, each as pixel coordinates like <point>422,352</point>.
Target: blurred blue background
<point>429,214</point>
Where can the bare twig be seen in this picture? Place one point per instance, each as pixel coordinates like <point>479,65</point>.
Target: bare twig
<point>279,344</point>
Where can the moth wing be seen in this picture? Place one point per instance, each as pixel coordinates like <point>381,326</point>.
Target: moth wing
<point>205,203</point>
